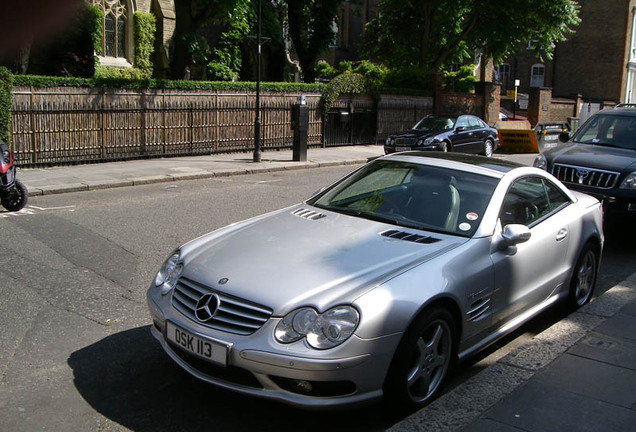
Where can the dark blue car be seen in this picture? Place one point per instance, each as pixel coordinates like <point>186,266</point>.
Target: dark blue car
<point>463,133</point>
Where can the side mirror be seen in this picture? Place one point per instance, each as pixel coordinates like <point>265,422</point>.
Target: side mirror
<point>565,136</point>
<point>461,129</point>
<point>514,234</point>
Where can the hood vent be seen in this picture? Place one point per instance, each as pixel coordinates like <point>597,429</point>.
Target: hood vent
<point>308,214</point>
<point>407,236</point>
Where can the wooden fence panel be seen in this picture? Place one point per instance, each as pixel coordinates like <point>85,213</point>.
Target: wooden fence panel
<point>71,125</point>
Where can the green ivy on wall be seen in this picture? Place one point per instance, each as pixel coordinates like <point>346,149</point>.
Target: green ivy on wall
<point>145,27</point>
<point>346,83</point>
<point>6,98</point>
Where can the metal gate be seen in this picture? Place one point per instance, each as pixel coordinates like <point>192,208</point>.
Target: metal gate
<point>349,126</point>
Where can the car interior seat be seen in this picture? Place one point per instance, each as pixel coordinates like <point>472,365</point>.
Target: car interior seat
<point>435,201</point>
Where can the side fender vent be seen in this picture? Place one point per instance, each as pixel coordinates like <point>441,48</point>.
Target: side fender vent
<point>478,309</point>
<point>407,236</point>
<point>308,214</point>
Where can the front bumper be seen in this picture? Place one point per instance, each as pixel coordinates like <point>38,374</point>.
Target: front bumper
<point>350,374</point>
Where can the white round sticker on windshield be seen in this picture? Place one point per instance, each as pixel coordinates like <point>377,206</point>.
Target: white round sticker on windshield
<point>472,216</point>
<point>464,226</point>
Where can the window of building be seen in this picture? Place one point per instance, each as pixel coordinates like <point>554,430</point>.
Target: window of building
<point>114,27</point>
<point>502,74</point>
<point>537,75</point>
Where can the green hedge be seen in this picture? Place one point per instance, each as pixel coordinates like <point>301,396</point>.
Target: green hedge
<point>50,81</point>
<point>6,85</point>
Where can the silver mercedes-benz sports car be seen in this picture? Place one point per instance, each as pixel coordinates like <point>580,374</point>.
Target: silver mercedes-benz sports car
<point>377,284</point>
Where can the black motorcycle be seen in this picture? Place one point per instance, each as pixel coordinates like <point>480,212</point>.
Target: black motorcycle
<point>13,194</point>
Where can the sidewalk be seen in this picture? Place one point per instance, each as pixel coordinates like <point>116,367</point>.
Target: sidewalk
<point>578,375</point>
<point>74,178</point>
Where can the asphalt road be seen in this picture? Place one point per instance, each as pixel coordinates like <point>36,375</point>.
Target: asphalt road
<point>76,352</point>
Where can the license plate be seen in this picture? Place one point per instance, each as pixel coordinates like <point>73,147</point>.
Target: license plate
<point>399,149</point>
<point>197,345</point>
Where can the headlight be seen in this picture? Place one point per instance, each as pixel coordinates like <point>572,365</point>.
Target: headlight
<point>541,162</point>
<point>629,182</point>
<point>426,141</point>
<point>169,273</point>
<point>322,331</point>
<point>389,141</point>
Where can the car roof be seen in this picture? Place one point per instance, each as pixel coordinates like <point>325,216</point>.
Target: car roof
<point>620,109</point>
<point>460,161</point>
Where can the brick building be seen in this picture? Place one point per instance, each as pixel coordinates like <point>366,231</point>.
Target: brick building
<point>597,62</point>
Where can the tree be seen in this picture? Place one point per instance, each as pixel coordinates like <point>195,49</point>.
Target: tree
<point>191,16</point>
<point>431,34</point>
<point>311,30</point>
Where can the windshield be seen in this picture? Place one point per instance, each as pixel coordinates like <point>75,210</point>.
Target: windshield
<point>609,130</point>
<point>413,196</point>
<point>435,123</point>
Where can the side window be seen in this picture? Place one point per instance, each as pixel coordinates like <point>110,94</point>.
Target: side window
<point>462,122</point>
<point>528,200</point>
<point>474,122</point>
<point>556,198</point>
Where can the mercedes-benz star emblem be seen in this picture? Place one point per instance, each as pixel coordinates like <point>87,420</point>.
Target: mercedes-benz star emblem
<point>206,307</point>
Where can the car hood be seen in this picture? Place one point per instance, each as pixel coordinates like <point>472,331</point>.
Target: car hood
<point>285,259</point>
<point>416,134</point>
<point>595,156</point>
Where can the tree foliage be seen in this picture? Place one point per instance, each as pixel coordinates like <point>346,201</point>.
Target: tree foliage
<point>311,30</point>
<point>191,16</point>
<point>432,34</point>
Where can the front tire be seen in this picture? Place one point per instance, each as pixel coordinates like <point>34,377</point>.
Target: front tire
<point>444,147</point>
<point>15,198</point>
<point>422,360</point>
<point>584,278</point>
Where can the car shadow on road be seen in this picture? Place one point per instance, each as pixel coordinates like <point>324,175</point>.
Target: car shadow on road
<point>128,379</point>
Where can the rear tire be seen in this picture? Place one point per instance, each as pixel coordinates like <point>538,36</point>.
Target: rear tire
<point>584,278</point>
<point>489,148</point>
<point>422,360</point>
<point>15,198</point>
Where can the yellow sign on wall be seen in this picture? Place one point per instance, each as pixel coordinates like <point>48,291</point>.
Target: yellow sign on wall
<point>510,93</point>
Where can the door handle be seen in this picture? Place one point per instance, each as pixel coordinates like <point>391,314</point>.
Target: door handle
<point>563,233</point>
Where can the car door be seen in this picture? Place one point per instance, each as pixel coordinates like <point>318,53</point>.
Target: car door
<point>461,136</point>
<point>529,273</point>
<point>477,134</point>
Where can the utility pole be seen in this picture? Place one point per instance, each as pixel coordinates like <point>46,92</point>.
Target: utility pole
<point>257,120</point>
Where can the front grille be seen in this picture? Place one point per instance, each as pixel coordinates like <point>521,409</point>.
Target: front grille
<point>585,176</point>
<point>405,141</point>
<point>233,315</point>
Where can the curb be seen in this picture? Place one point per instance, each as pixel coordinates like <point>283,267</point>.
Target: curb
<point>199,175</point>
<point>467,402</point>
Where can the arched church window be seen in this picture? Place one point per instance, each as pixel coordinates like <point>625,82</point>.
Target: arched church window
<point>113,27</point>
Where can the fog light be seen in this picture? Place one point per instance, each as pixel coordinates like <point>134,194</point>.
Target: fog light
<point>301,386</point>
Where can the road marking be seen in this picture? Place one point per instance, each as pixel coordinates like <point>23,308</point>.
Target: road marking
<point>31,210</point>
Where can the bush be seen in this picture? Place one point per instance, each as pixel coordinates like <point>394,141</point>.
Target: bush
<point>109,72</point>
<point>347,83</point>
<point>6,85</point>
<point>461,81</point>
<point>407,78</point>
